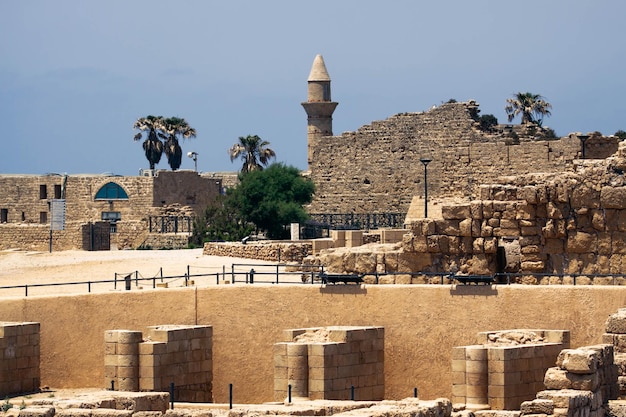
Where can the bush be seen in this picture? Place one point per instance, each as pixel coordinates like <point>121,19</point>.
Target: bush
<point>487,122</point>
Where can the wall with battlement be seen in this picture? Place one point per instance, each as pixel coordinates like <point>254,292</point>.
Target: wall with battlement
<point>377,167</point>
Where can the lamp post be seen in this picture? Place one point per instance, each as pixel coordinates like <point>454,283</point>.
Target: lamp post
<point>583,139</point>
<point>425,162</point>
<point>194,156</point>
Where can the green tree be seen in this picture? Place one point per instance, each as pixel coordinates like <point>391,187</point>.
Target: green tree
<point>620,134</point>
<point>253,151</point>
<point>152,146</point>
<point>220,221</point>
<point>273,198</point>
<point>173,127</point>
<point>531,106</point>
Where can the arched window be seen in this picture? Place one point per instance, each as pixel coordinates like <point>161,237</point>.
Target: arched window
<point>111,191</point>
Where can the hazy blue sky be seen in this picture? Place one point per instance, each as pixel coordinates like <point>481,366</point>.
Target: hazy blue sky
<point>75,75</point>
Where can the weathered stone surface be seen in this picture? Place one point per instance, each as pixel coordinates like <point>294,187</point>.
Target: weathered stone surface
<point>578,361</point>
<point>613,197</point>
<point>537,406</point>
<point>616,323</point>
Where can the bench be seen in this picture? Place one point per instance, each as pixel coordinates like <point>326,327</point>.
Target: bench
<point>345,278</point>
<point>474,279</point>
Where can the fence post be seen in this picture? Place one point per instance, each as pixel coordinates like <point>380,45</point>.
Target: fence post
<point>252,276</point>
<point>127,279</point>
<point>277,273</point>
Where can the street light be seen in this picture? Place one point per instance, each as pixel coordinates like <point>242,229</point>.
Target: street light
<point>583,139</point>
<point>194,156</point>
<point>425,161</point>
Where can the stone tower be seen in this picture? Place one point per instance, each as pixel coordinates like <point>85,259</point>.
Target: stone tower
<point>319,107</point>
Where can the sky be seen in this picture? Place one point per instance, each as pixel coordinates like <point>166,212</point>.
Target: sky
<point>76,74</point>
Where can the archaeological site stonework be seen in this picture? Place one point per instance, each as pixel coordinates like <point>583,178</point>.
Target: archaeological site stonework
<point>552,223</point>
<point>377,168</point>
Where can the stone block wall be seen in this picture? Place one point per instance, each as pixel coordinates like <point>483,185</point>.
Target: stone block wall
<point>325,363</point>
<point>506,369</point>
<point>24,205</point>
<point>562,223</point>
<point>377,167</point>
<point>264,250</point>
<point>181,355</point>
<point>19,358</point>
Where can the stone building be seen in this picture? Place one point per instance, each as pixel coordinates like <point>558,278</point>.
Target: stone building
<point>100,210</point>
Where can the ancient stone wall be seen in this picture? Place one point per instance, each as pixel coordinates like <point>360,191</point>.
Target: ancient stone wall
<point>550,226</point>
<point>19,358</point>
<point>422,324</point>
<point>377,168</point>
<point>336,363</point>
<point>506,369</point>
<point>264,250</point>
<point>181,355</point>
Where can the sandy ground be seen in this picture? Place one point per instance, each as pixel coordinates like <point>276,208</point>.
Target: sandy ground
<point>19,268</point>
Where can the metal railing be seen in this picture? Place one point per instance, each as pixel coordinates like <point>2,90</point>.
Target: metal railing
<point>170,224</point>
<point>364,221</point>
<point>259,273</point>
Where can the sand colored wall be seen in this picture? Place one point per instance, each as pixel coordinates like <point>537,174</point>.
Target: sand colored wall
<point>422,324</point>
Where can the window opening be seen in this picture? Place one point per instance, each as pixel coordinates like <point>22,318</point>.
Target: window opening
<point>57,191</point>
<point>111,191</point>
<point>43,191</point>
<point>4,215</point>
<point>43,217</point>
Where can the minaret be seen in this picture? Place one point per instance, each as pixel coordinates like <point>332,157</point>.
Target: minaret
<point>319,107</point>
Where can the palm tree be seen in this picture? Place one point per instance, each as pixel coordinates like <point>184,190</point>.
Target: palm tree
<point>152,146</point>
<point>531,106</point>
<point>174,126</point>
<point>253,152</point>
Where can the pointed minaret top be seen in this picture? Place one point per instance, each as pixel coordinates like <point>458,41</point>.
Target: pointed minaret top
<point>318,70</point>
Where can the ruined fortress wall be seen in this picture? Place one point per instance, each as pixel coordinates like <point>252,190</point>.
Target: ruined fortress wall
<point>377,168</point>
<point>422,324</point>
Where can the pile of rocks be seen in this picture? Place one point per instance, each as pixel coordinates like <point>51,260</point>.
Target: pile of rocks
<point>581,384</point>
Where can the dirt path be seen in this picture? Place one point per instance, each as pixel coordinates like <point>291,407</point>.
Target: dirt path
<point>19,268</point>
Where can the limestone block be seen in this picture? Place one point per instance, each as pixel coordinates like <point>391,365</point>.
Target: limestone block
<point>613,197</point>
<point>616,323</point>
<point>537,406</point>
<point>456,212</point>
<point>579,361</point>
<point>533,266</point>
<point>584,196</point>
<point>365,263</point>
<point>618,242</point>
<point>556,379</point>
<point>581,242</point>
<point>567,398</point>
<point>465,227</point>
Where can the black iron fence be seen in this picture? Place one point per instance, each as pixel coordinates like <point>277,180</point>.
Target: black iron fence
<point>170,224</point>
<point>356,221</point>
<point>280,273</point>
